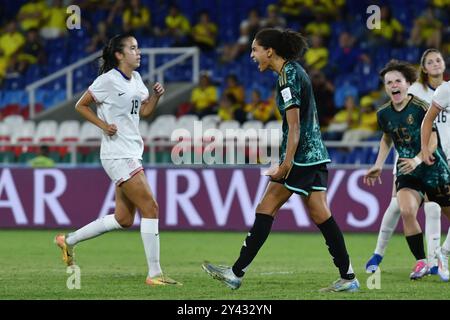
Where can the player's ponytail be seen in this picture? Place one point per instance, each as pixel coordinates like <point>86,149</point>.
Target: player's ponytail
<point>288,44</point>
<point>109,60</point>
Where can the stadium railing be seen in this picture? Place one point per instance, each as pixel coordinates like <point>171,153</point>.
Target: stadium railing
<point>154,72</point>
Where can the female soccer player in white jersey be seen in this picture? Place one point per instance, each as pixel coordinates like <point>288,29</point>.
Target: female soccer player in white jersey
<point>122,98</point>
<point>432,67</point>
<point>439,107</point>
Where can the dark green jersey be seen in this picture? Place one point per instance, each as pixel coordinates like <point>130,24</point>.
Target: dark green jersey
<point>404,129</point>
<point>294,90</point>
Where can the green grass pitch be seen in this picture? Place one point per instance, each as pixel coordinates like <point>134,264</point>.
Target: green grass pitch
<point>289,266</point>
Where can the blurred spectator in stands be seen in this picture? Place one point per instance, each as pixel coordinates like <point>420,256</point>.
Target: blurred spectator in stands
<point>343,120</point>
<point>136,19</point>
<point>204,97</point>
<point>273,18</point>
<point>235,88</point>
<point>31,14</point>
<point>319,27</point>
<point>427,30</point>
<point>343,89</point>
<point>204,33</point>
<point>316,57</point>
<point>177,26</point>
<point>367,124</point>
<point>346,55</point>
<point>258,109</point>
<point>391,31</point>
<point>323,92</point>
<point>272,101</point>
<point>99,39</point>
<point>11,41</point>
<point>114,21</point>
<point>248,29</point>
<point>227,107</point>
<point>54,21</point>
<point>329,8</point>
<point>42,160</point>
<point>32,52</point>
<point>291,9</point>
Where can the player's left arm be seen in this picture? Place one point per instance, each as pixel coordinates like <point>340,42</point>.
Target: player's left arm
<point>425,133</point>
<point>293,120</point>
<point>149,105</point>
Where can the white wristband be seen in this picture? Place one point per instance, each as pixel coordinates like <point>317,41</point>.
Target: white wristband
<point>417,160</point>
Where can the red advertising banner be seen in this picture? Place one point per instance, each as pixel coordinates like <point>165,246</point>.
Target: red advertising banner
<point>188,198</point>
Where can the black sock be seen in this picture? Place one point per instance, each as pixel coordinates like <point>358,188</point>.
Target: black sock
<point>336,246</point>
<point>416,246</point>
<point>254,241</point>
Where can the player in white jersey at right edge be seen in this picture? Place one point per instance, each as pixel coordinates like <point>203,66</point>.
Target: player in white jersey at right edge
<point>440,106</point>
<point>122,98</point>
<point>432,68</point>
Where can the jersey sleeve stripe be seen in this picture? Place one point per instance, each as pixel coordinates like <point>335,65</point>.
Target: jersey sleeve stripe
<point>437,105</point>
<point>93,95</point>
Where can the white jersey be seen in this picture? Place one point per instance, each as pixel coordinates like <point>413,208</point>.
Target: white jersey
<point>118,102</point>
<point>418,90</point>
<point>441,98</point>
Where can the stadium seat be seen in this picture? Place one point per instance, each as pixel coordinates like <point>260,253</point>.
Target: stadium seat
<point>252,124</point>
<point>90,132</point>
<point>13,121</point>
<point>5,132</point>
<point>157,131</point>
<point>46,131</point>
<point>6,154</point>
<point>143,129</point>
<point>211,118</point>
<point>69,131</point>
<point>275,125</point>
<point>23,133</point>
<point>166,119</point>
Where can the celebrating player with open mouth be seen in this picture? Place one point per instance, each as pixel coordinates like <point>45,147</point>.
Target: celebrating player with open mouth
<point>302,169</point>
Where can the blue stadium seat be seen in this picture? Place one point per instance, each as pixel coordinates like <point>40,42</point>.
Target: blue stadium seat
<point>14,83</point>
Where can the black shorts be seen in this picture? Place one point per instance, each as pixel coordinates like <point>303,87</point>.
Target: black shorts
<point>411,182</point>
<point>306,179</point>
<point>440,195</point>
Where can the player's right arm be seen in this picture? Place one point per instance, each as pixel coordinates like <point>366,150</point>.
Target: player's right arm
<point>373,174</point>
<point>82,106</point>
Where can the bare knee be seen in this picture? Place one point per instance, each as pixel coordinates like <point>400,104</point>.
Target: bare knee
<point>408,213</point>
<point>125,222</point>
<point>150,209</point>
<point>319,217</point>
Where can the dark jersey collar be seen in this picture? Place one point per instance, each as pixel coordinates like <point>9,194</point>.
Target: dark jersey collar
<point>123,74</point>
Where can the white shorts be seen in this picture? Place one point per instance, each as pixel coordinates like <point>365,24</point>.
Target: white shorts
<point>120,170</point>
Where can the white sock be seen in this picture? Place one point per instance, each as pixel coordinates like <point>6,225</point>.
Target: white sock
<point>150,238</point>
<point>432,230</point>
<point>446,244</point>
<point>388,225</point>
<point>93,229</point>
